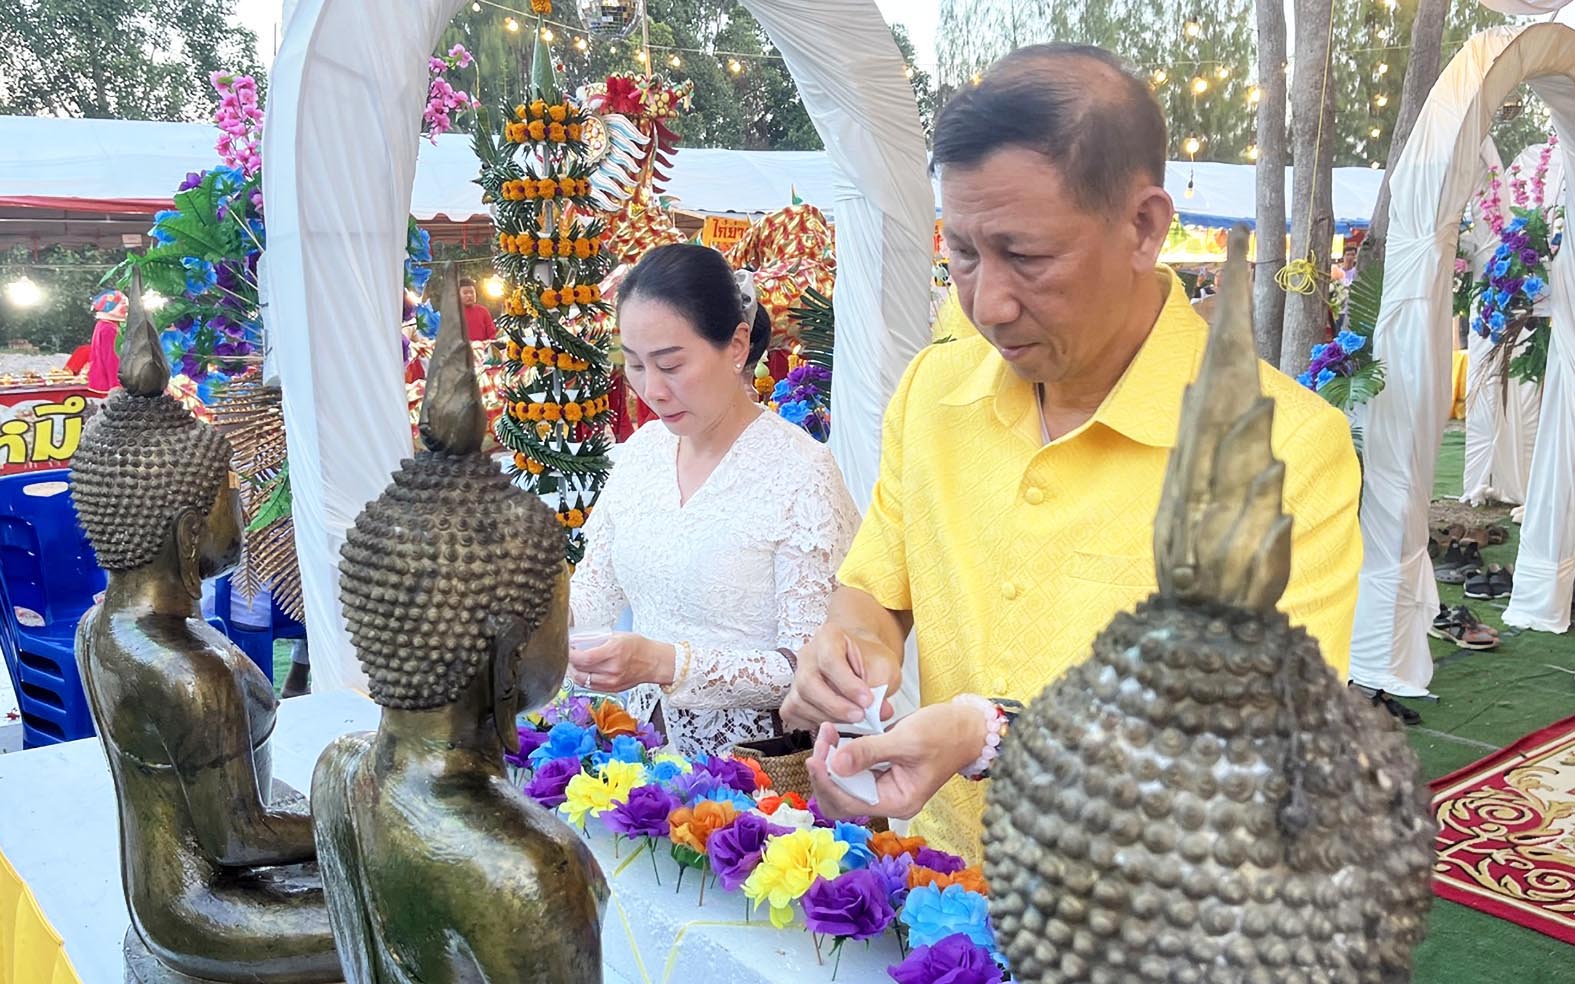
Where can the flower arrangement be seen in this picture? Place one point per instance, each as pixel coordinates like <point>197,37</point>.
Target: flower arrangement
<point>239,119</point>
<point>804,397</point>
<point>1345,371</point>
<point>719,817</point>
<point>444,102</point>
<point>557,412</point>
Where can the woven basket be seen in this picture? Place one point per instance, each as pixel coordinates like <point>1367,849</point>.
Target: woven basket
<point>782,759</point>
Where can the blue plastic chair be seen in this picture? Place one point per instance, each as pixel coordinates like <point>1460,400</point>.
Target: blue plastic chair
<point>50,579</point>
<point>257,641</point>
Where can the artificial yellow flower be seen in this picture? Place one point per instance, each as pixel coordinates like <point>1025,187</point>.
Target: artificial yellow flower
<point>684,765</point>
<point>623,778</point>
<point>586,795</point>
<point>790,865</point>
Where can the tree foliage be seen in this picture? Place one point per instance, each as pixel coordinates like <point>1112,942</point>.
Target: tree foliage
<point>118,59</point>
<point>1370,53</point>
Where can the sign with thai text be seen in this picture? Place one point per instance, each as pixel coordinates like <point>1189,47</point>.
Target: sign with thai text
<point>40,427</point>
<point>722,233</point>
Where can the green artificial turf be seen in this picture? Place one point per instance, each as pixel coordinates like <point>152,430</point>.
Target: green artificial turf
<point>1487,700</point>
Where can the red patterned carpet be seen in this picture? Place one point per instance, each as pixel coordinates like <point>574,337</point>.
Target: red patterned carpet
<point>1506,841</point>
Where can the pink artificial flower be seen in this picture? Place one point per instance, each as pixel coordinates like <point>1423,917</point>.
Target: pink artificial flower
<point>462,58</point>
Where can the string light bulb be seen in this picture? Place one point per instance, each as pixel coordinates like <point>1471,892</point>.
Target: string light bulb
<point>152,300</point>
<point>1252,153</point>
<point>907,71</point>
<point>675,61</point>
<point>1222,73</point>
<point>1381,101</point>
<point>492,287</point>
<point>475,8</point>
<point>511,24</point>
<point>582,44</point>
<point>1200,85</point>
<point>1191,146</point>
<point>734,66</point>
<point>1375,133</point>
<point>1160,76</point>
<point>644,56</point>
<point>1254,95</point>
<point>1375,165</point>
<point>23,292</point>
<point>546,34</point>
<point>1383,68</point>
<point>976,79</point>
<point>1191,29</point>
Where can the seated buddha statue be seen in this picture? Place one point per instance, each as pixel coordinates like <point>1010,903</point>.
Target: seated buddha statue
<point>456,594</point>
<point>218,876</point>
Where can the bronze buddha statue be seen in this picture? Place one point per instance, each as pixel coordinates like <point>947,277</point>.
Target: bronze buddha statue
<point>217,873</point>
<point>456,594</point>
<point>1204,799</point>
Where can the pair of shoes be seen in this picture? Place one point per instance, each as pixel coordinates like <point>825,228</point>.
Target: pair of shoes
<point>1461,626</point>
<point>1380,698</point>
<point>1495,582</point>
<point>1459,562</point>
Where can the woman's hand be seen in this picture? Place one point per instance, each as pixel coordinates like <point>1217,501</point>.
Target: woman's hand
<point>924,751</point>
<point>835,673</point>
<point>621,662</point>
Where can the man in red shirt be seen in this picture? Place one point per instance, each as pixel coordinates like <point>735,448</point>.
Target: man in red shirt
<point>478,320</point>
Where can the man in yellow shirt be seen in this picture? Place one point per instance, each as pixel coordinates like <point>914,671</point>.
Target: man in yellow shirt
<point>1022,463</point>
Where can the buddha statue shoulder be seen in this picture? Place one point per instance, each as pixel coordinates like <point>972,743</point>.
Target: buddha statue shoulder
<point>218,877</point>
<point>1203,799</point>
<point>454,586</point>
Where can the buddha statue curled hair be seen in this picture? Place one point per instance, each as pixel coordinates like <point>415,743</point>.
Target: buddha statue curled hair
<point>450,544</point>
<point>144,459</point>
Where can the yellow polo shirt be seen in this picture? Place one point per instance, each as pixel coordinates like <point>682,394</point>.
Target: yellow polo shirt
<point>1013,554</point>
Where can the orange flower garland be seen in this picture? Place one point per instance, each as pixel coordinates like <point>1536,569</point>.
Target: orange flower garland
<point>545,189</point>
<point>545,248</point>
<point>540,122</point>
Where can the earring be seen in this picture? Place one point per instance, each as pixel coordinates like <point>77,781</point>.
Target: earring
<point>739,367</point>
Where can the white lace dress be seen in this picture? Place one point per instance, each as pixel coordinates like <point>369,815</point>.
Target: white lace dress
<point>744,568</point>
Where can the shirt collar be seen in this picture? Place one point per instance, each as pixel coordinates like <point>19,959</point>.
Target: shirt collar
<point>1145,402</point>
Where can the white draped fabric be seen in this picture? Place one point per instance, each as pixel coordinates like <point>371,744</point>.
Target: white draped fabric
<point>344,111</point>
<point>1437,172</point>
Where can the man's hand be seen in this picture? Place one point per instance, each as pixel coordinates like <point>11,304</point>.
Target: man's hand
<point>924,751</point>
<point>622,662</point>
<point>834,676</point>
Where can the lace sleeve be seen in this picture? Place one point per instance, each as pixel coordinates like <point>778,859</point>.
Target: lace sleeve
<point>596,599</point>
<point>817,527</point>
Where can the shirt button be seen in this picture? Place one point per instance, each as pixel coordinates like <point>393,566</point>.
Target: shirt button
<point>1008,590</point>
<point>1000,686</point>
<point>1034,495</point>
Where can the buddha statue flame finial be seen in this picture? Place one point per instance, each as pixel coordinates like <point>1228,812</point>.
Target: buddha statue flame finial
<point>1221,534</point>
<point>452,417</point>
<point>143,369</point>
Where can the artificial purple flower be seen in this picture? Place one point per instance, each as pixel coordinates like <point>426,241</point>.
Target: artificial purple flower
<point>576,710</point>
<point>547,785</point>
<point>940,861</point>
<point>695,785</point>
<point>953,960</point>
<point>822,821</point>
<point>852,905</point>
<point>730,772</point>
<point>1529,257</point>
<point>735,851</point>
<point>648,736</point>
<point>643,814</point>
<point>893,873</point>
<point>193,179</point>
<point>530,740</point>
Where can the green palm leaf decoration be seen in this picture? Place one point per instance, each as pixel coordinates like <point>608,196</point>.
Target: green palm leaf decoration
<point>817,327</point>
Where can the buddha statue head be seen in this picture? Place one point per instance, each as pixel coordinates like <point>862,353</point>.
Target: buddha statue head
<point>453,580</point>
<point>150,482</point>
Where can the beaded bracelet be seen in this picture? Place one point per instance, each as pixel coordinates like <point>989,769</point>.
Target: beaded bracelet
<point>999,715</point>
<point>689,655</point>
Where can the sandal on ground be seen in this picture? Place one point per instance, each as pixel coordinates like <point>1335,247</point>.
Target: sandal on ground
<point>1406,715</point>
<point>1457,564</point>
<point>1460,626</point>
<point>1494,582</point>
<point>1497,534</point>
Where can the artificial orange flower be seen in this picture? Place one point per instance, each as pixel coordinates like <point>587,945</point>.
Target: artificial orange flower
<point>549,298</point>
<point>533,412</point>
<point>558,112</point>
<point>590,409</point>
<point>519,111</point>
<point>576,519</point>
<point>527,357</point>
<point>612,720</point>
<point>971,879</point>
<point>544,248</point>
<point>692,827</point>
<point>545,188</point>
<point>511,351</point>
<point>551,411</point>
<point>585,186</point>
<point>520,461</point>
<point>574,132</point>
<point>534,467</point>
<point>762,781</point>
<point>556,133</point>
<point>538,108</point>
<point>582,248</point>
<point>573,412</point>
<point>503,240</point>
<point>541,6</point>
<point>565,247</point>
<point>547,356</point>
<point>538,130</point>
<point>543,430</point>
<point>888,845</point>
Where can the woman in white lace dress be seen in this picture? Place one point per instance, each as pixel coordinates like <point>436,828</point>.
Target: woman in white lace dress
<point>721,526</point>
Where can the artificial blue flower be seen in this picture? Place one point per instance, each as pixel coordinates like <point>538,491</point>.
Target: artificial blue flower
<point>159,234</point>
<point>1518,224</point>
<point>419,244</point>
<point>1533,287</point>
<point>1306,379</point>
<point>427,319</point>
<point>1350,341</point>
<point>255,226</point>
<point>857,838</point>
<point>663,772</point>
<point>780,391</point>
<point>565,740</point>
<point>742,802</point>
<point>1501,268</point>
<point>1497,321</point>
<point>1324,377</point>
<point>1495,336</point>
<point>1558,237</point>
<point>933,914</point>
<point>200,274</point>
<point>794,413</point>
<point>1503,297</point>
<point>627,748</point>
<point>416,276</point>
<point>227,179</point>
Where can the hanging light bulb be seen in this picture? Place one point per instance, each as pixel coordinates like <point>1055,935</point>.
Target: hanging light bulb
<point>22,292</point>
<point>1375,133</point>
<point>493,287</point>
<point>1222,73</point>
<point>475,8</point>
<point>1200,85</point>
<point>1189,192</point>
<point>675,61</point>
<point>1254,95</point>
<point>1375,165</point>
<point>907,71</point>
<point>1252,153</point>
<point>511,24</point>
<point>546,34</point>
<point>1381,101</point>
<point>976,79</point>
<point>1160,76</point>
<point>734,66</point>
<point>1191,29</point>
<point>1383,68</point>
<point>152,300</point>
<point>1191,146</point>
<point>644,56</point>
<point>582,44</point>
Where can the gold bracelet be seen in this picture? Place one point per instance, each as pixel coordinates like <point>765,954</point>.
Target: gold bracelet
<point>689,655</point>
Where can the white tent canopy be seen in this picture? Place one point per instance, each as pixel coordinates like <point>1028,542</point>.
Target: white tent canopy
<point>70,163</point>
<point>1439,169</point>
<point>343,115</point>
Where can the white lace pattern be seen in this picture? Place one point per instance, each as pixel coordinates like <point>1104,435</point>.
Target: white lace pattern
<point>744,568</point>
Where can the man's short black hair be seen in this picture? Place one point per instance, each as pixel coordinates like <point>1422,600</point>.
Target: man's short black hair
<point>1078,105</point>
<point>466,282</point>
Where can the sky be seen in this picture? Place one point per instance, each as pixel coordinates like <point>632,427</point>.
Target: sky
<point>919,16</point>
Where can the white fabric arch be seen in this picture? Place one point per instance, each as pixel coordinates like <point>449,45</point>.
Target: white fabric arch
<point>344,110</point>
<point>1435,176</point>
